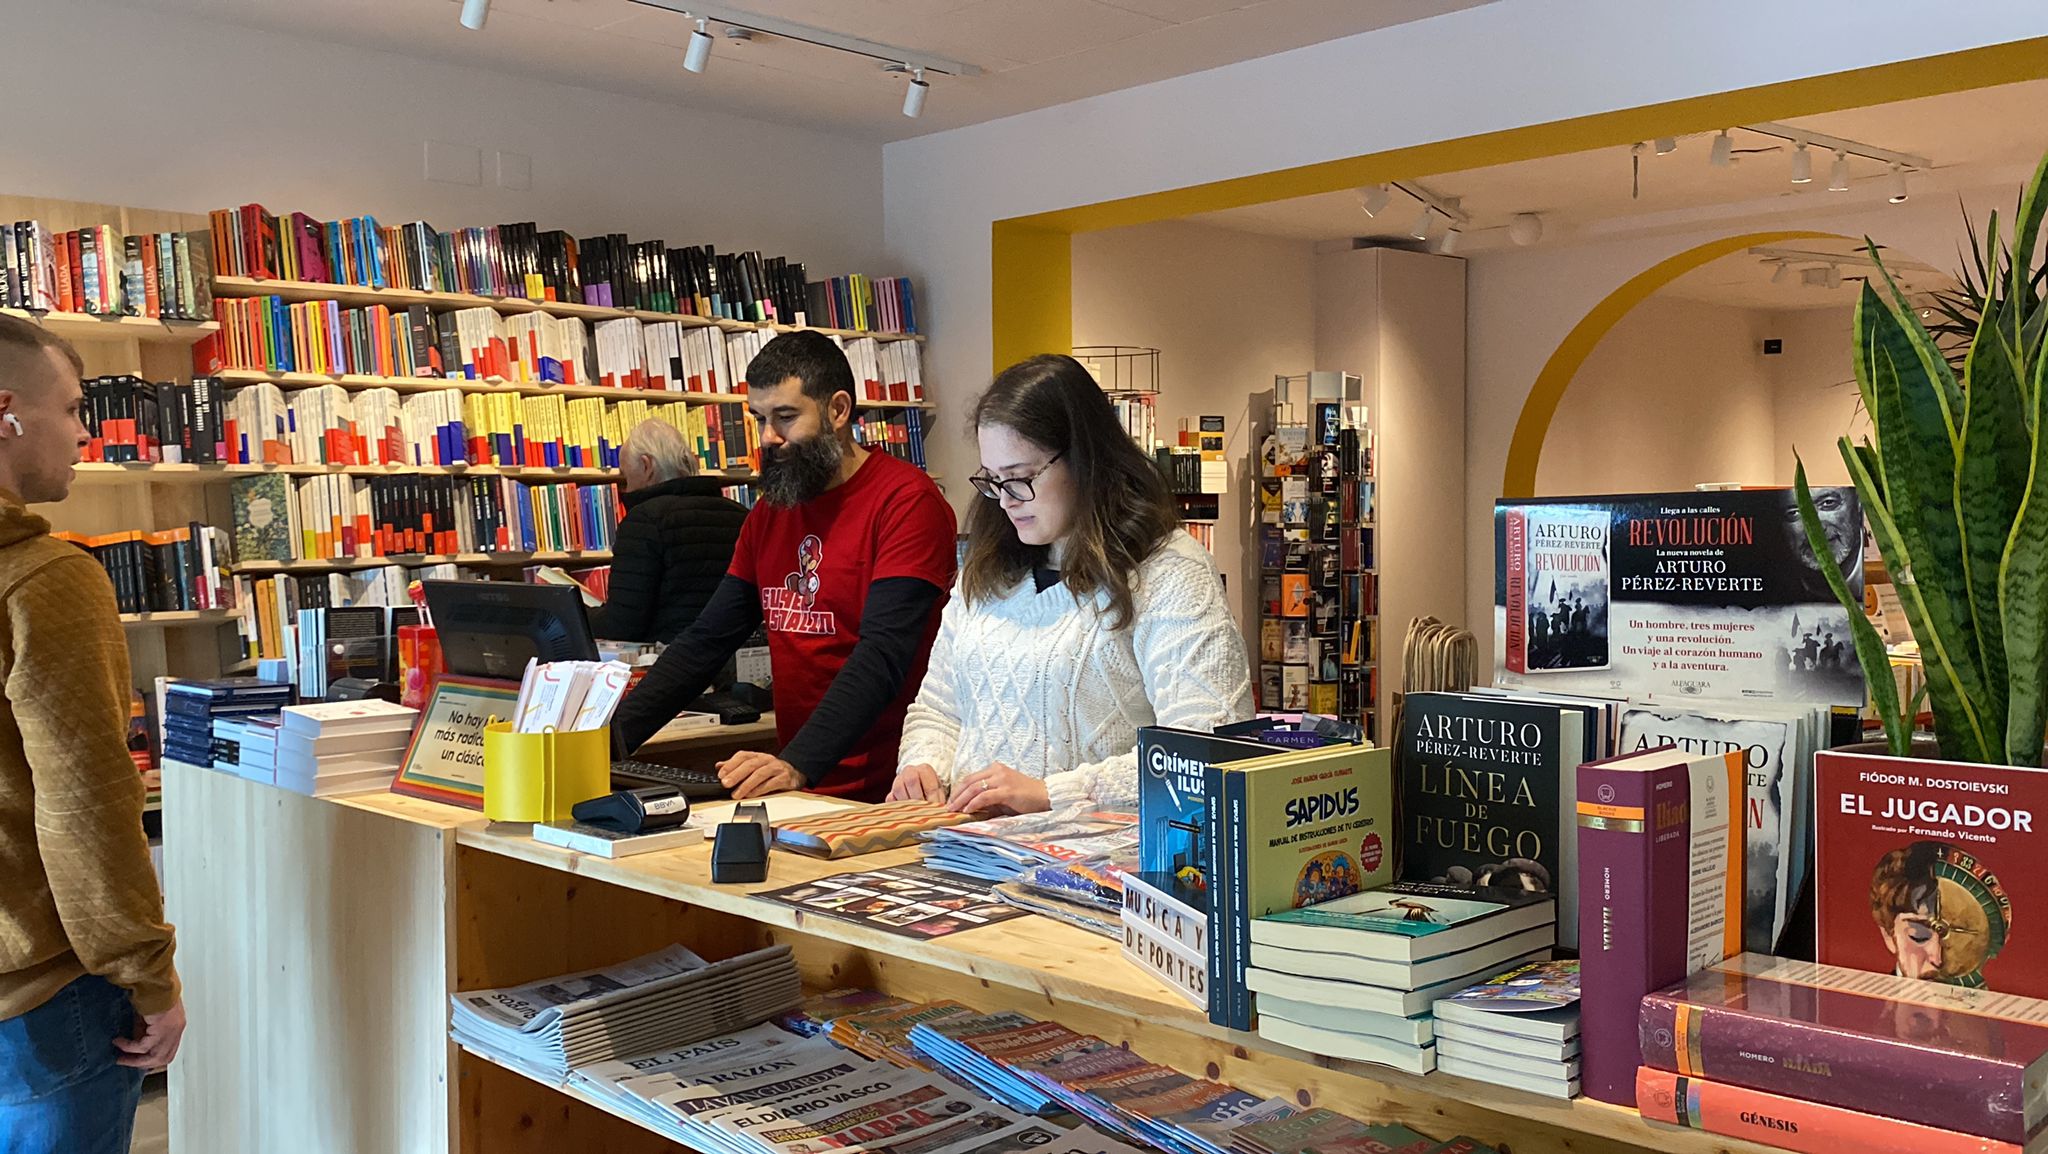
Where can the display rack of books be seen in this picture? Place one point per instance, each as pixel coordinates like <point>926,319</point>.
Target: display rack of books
<point>1129,374</point>
<point>1318,569</point>
<point>288,415</point>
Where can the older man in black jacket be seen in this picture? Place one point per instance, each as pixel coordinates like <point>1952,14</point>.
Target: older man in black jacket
<point>674,544</point>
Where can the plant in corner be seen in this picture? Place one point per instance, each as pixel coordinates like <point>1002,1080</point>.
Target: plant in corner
<point>1955,485</point>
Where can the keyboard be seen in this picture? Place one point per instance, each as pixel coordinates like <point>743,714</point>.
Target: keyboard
<point>695,784</point>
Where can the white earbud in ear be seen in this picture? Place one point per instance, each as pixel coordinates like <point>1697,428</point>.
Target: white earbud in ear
<point>12,422</point>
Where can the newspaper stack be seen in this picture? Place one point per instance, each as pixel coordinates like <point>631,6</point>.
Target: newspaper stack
<point>665,999</point>
<point>1000,848</point>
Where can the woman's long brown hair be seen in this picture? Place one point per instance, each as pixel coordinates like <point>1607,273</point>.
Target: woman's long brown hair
<point>1124,508</point>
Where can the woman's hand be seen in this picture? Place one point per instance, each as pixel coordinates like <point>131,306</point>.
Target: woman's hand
<point>999,789</point>
<point>917,783</point>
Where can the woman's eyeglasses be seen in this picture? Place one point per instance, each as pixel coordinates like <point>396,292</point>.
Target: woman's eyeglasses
<point>1019,488</point>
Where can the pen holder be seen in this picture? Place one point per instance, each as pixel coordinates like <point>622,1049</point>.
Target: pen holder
<point>541,776</point>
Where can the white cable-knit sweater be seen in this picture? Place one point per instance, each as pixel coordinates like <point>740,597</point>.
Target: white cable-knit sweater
<point>1042,684</point>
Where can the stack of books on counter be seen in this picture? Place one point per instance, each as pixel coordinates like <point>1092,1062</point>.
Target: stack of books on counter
<point>337,747</point>
<point>668,998</point>
<point>1828,1060</point>
<point>191,709</point>
<point>1520,1029</point>
<point>254,739</point>
<point>1355,978</point>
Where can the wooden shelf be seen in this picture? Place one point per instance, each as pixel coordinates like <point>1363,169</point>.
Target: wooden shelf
<point>415,560</point>
<point>357,382</point>
<point>236,286</point>
<point>170,618</point>
<point>88,327</point>
<point>159,474</point>
<point>1053,971</point>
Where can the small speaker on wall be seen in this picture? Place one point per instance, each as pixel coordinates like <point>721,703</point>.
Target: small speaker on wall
<point>1773,346</point>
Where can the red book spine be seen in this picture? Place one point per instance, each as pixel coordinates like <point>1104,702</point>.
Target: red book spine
<point>1637,829</point>
<point>1793,1124</point>
<point>1516,552</point>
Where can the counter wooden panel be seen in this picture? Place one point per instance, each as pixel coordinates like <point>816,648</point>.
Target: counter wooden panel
<point>320,947</point>
<point>314,942</point>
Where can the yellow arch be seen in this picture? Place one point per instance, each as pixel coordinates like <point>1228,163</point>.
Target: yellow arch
<point>1526,448</point>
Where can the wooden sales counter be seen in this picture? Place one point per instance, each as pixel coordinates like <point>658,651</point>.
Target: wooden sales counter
<point>319,941</point>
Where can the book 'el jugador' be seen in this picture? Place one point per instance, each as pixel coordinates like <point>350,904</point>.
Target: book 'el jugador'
<point>1486,796</point>
<point>1660,863</point>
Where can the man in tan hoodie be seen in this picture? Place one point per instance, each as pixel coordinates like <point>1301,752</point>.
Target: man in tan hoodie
<point>88,997</point>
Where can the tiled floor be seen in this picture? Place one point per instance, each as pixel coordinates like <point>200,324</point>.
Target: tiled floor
<point>153,1120</point>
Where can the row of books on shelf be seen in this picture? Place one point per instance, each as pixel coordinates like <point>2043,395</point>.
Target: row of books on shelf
<point>204,422</point>
<point>1138,414</point>
<point>271,334</point>
<point>899,434</point>
<point>341,517</point>
<point>525,262</point>
<point>98,271</point>
<point>1320,684</point>
<point>172,570</point>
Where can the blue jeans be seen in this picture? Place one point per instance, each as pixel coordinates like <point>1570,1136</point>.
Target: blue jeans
<point>60,1091</point>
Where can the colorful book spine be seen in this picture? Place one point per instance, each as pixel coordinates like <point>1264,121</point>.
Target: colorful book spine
<point>1941,1056</point>
<point>1659,863</point>
<point>1792,1124</point>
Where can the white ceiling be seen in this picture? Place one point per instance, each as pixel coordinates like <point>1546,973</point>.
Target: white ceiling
<point>1973,138</point>
<point>1034,53</point>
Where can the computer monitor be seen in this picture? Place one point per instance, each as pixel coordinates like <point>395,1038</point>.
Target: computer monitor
<point>491,628</point>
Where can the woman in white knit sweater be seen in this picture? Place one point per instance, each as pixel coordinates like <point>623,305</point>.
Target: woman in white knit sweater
<point>1083,612</point>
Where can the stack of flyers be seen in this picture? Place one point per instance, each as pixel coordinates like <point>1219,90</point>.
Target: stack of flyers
<point>1328,1132</point>
<point>976,1047</point>
<point>819,1011</point>
<point>885,1036</point>
<point>999,848</point>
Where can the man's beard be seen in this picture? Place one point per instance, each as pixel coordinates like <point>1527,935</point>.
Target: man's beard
<point>799,471</point>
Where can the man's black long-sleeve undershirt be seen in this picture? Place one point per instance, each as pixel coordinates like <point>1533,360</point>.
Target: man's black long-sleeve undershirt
<point>895,620</point>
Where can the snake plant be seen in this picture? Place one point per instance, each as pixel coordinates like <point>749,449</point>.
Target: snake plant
<point>1955,485</point>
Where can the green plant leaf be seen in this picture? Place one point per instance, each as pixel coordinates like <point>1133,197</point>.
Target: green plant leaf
<point>1990,479</point>
<point>1949,686</point>
<point>1947,390</point>
<point>1920,455</point>
<point>2026,230</point>
<point>2023,597</point>
<point>1870,651</point>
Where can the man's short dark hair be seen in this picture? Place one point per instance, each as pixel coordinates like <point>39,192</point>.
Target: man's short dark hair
<point>23,347</point>
<point>809,357</point>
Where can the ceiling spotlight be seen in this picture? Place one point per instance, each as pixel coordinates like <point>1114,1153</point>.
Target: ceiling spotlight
<point>474,13</point>
<point>913,97</point>
<point>1448,243</point>
<point>1525,228</point>
<point>1666,145</point>
<point>1838,174</point>
<point>1723,152</point>
<point>1802,165</point>
<point>1778,274</point>
<point>698,54</point>
<point>1898,183</point>
<point>1373,200</point>
<point>1424,223</point>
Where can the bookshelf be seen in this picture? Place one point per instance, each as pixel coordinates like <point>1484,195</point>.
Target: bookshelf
<point>101,473</point>
<point>355,382</point>
<point>354,295</point>
<point>173,618</point>
<point>1318,501</point>
<point>81,327</point>
<point>415,560</point>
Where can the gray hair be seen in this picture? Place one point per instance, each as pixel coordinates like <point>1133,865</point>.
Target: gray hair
<point>665,444</point>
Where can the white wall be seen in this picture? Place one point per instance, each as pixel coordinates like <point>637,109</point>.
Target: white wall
<point>122,105</point>
<point>1228,311</point>
<point>1677,394</point>
<point>1813,385</point>
<point>1485,69</point>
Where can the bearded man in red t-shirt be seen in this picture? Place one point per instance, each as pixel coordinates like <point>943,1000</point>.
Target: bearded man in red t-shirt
<point>846,559</point>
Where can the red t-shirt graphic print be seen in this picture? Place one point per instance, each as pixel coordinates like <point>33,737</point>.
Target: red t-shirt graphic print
<point>813,564</point>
